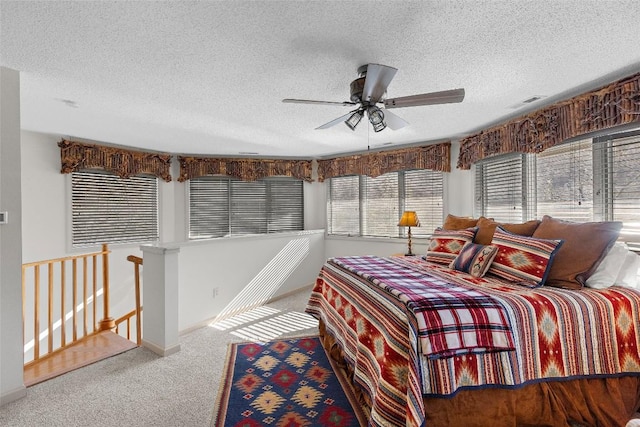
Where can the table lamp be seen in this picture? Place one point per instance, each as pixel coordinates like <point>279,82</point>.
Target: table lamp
<point>409,219</point>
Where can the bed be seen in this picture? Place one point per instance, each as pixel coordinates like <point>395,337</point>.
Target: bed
<point>462,336</point>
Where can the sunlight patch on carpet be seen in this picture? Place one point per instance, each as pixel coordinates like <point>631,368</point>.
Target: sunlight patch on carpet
<point>274,327</point>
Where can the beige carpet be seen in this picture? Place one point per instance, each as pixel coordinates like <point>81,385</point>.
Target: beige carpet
<point>139,388</point>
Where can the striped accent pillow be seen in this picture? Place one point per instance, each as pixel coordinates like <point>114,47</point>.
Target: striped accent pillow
<point>474,259</point>
<point>521,259</point>
<point>444,245</point>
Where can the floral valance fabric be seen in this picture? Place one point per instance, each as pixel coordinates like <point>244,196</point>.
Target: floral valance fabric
<point>615,104</point>
<point>434,157</point>
<point>76,156</point>
<point>244,169</point>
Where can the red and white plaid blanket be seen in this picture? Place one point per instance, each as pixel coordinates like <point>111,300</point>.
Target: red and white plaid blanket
<point>451,319</point>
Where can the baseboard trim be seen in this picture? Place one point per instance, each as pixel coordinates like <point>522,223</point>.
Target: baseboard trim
<point>13,395</point>
<point>161,351</point>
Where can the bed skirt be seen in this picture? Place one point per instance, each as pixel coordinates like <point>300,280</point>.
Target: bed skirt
<point>582,402</point>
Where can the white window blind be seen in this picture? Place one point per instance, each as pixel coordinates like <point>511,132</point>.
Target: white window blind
<point>502,188</point>
<point>343,205</point>
<point>365,206</point>
<point>380,205</point>
<point>423,190</point>
<point>619,166</point>
<point>109,209</point>
<point>220,206</point>
<point>565,181</point>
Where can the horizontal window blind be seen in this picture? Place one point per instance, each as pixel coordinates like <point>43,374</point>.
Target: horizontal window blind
<point>500,188</point>
<point>208,208</point>
<point>565,181</point>
<point>343,205</point>
<point>109,209</point>
<point>220,206</point>
<point>423,190</point>
<point>380,205</point>
<point>620,167</point>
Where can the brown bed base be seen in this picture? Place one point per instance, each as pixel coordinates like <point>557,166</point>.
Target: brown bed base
<point>583,402</point>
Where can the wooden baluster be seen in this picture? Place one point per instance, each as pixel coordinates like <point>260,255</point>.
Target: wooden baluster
<point>85,291</point>
<point>107,322</point>
<point>50,308</point>
<point>95,292</point>
<point>36,323</point>
<point>74,296</point>
<point>63,314</point>
<point>138,306</point>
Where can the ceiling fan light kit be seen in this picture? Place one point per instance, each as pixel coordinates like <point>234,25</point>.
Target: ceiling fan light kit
<point>369,89</point>
<point>354,119</point>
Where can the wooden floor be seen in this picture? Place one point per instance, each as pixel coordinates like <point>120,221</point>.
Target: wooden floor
<point>85,352</point>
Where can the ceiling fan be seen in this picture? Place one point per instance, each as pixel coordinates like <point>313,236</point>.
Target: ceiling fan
<point>369,89</point>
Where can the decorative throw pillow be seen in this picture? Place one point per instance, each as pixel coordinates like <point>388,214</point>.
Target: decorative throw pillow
<point>474,259</point>
<point>585,245</point>
<point>453,222</point>
<point>444,245</point>
<point>521,259</point>
<point>487,226</point>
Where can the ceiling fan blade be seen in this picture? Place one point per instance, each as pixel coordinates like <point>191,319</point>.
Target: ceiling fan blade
<point>376,82</point>
<point>394,122</point>
<point>443,97</point>
<point>335,121</point>
<point>309,101</point>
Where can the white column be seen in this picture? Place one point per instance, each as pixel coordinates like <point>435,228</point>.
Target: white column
<point>160,299</point>
<point>11,355</point>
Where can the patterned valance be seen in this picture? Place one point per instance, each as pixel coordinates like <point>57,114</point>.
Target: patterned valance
<point>76,156</point>
<point>612,105</point>
<point>244,169</point>
<point>435,157</point>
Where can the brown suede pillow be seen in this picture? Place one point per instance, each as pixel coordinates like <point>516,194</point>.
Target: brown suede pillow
<point>585,244</point>
<point>487,226</point>
<point>453,222</point>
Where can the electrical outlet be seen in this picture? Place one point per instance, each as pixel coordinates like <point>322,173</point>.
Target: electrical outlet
<point>215,291</point>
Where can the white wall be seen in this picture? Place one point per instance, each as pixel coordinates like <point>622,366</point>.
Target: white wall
<point>220,276</point>
<point>11,383</point>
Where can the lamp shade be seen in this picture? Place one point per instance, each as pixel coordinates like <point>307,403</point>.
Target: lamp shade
<point>409,219</point>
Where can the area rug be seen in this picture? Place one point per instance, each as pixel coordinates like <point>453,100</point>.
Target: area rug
<point>284,383</point>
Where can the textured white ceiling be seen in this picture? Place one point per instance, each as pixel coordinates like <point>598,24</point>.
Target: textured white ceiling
<point>208,77</point>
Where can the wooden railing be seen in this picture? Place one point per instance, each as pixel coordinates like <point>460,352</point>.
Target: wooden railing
<point>67,295</point>
<point>136,312</point>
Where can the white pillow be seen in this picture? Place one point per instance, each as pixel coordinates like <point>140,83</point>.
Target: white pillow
<point>607,272</point>
<point>628,274</point>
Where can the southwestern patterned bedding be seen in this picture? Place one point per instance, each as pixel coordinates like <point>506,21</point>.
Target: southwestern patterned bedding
<point>410,329</point>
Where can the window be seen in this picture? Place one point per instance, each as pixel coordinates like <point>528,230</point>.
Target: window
<point>109,209</point>
<point>221,206</point>
<point>365,206</point>
<point>588,180</point>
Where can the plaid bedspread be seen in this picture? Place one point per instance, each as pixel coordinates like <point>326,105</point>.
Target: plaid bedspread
<point>451,319</point>
<point>373,309</point>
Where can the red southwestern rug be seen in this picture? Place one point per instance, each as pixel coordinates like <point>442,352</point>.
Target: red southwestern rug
<point>284,383</point>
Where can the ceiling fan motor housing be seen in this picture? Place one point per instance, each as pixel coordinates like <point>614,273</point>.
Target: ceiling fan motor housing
<point>357,86</point>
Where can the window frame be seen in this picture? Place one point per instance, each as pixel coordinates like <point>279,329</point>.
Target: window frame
<point>603,168</point>
<point>402,201</point>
